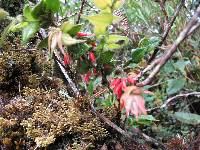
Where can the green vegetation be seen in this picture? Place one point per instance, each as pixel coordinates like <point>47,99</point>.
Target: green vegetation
<point>100,74</point>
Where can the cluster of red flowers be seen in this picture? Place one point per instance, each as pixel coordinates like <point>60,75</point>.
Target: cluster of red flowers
<point>87,76</point>
<point>91,55</point>
<point>119,84</point>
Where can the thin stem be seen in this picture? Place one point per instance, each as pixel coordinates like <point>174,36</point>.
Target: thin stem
<point>81,11</point>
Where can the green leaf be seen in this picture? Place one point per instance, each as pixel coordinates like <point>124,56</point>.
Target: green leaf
<point>145,46</point>
<point>27,13</point>
<point>138,54</point>
<point>84,67</point>
<point>73,31</point>
<point>29,31</point>
<point>103,4</point>
<point>113,46</point>
<point>78,50</point>
<point>175,85</point>
<point>169,67</point>
<point>143,120</point>
<point>53,5</point>
<point>18,27</point>
<point>70,28</point>
<point>90,88</point>
<point>100,22</point>
<point>181,64</point>
<point>187,118</point>
<point>150,43</point>
<point>105,57</point>
<point>66,26</point>
<point>117,38</point>
<point>118,4</point>
<point>68,40</point>
<point>107,101</point>
<point>39,9</point>
<point>43,43</point>
<point>148,97</point>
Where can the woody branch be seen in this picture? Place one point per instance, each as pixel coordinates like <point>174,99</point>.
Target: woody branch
<point>160,62</point>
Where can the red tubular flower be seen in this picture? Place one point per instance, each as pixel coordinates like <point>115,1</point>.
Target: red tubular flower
<point>92,57</point>
<point>83,34</point>
<point>67,59</point>
<point>87,77</point>
<point>95,71</point>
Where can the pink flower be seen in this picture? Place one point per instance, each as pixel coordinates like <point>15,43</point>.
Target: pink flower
<point>133,101</point>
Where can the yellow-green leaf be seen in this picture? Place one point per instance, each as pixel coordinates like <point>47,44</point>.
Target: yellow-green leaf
<point>71,29</point>
<point>104,19</point>
<point>117,38</point>
<point>66,26</point>
<point>113,46</point>
<point>100,22</point>
<point>118,4</point>
<point>103,4</point>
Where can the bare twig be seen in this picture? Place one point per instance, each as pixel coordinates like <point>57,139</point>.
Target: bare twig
<point>64,72</point>
<point>81,11</point>
<point>162,7</point>
<point>175,97</point>
<point>189,29</point>
<point>166,32</point>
